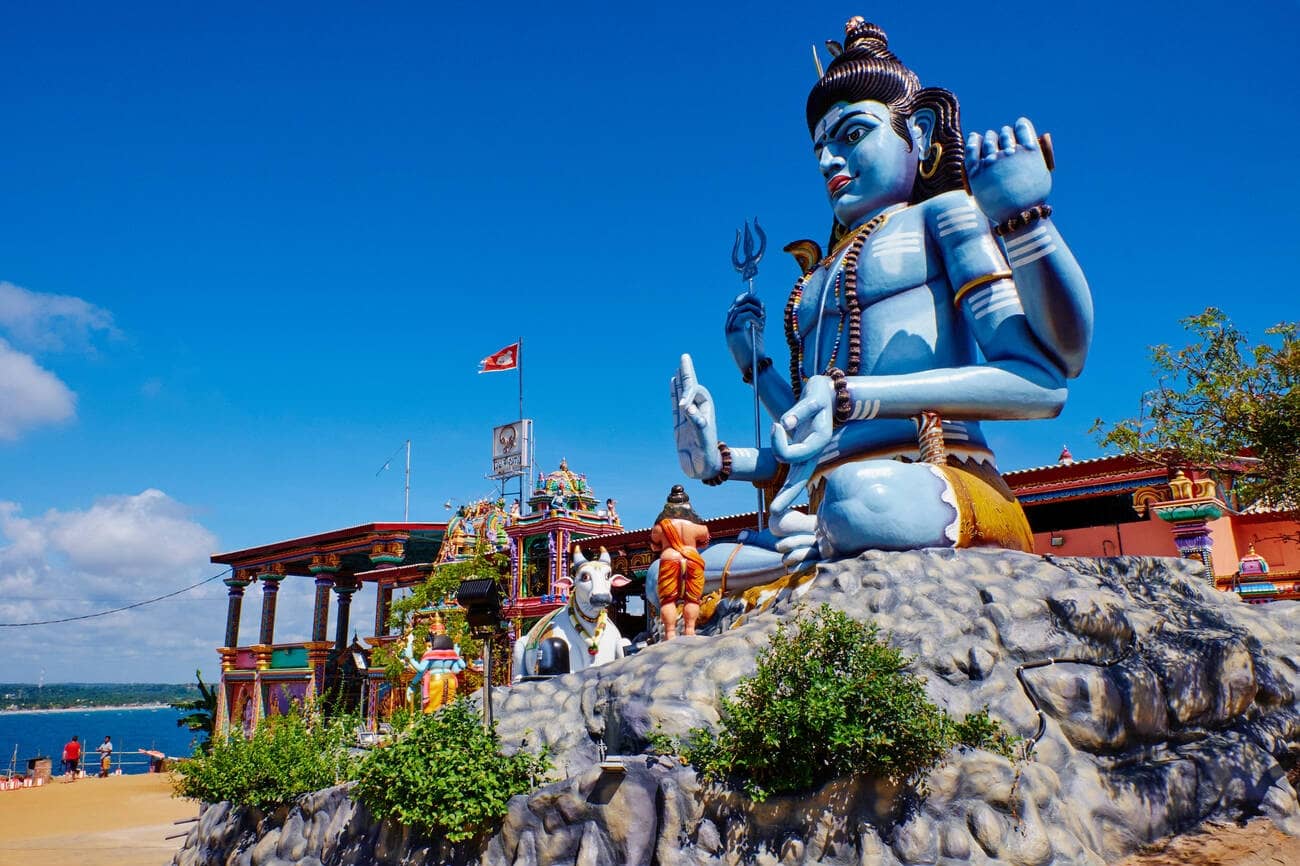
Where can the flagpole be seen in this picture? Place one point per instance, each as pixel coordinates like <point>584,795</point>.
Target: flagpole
<point>406,500</point>
<point>528,467</point>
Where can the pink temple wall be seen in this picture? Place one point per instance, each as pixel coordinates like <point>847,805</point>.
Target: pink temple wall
<point>1150,537</point>
<point>1224,554</point>
<point>1275,539</point>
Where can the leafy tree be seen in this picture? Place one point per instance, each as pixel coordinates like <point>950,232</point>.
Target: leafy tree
<point>446,774</point>
<point>1221,402</point>
<point>200,713</point>
<point>287,756</point>
<point>439,587</point>
<point>829,699</point>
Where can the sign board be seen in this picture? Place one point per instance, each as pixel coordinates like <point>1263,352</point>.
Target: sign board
<point>510,448</point>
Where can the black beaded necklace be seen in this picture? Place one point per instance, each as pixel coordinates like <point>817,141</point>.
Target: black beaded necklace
<point>849,271</point>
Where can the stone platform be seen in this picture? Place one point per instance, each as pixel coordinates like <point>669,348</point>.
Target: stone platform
<point>1169,703</point>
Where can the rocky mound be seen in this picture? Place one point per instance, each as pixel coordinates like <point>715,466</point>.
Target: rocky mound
<point>1163,703</point>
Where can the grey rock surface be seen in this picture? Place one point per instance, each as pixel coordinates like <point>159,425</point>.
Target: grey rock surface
<point>1164,703</point>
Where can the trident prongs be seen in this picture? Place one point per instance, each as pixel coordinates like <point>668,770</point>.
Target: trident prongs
<point>748,266</point>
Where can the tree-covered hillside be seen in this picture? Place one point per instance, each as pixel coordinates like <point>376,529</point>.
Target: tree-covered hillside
<point>30,696</point>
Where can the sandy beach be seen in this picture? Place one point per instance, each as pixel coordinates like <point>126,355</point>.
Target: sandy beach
<point>122,821</point>
<point>118,821</point>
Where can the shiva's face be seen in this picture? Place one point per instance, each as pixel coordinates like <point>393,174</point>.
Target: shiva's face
<point>867,166</point>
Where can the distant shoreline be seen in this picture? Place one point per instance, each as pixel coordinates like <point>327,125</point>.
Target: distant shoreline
<point>85,709</point>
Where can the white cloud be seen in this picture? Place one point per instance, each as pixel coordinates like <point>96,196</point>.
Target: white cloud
<point>120,550</point>
<point>39,320</point>
<point>149,533</point>
<point>30,395</point>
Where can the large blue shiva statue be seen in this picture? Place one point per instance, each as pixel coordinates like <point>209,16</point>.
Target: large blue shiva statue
<point>939,255</point>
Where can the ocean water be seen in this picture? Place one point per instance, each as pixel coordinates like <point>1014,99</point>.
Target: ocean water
<point>43,732</point>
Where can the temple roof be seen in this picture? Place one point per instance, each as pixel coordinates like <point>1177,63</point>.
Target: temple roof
<point>564,480</point>
<point>352,546</point>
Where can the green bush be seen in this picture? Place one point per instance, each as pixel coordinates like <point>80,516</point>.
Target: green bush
<point>829,699</point>
<point>446,774</point>
<point>287,756</point>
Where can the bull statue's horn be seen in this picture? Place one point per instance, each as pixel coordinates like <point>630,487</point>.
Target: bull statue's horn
<point>604,556</point>
<point>578,558</point>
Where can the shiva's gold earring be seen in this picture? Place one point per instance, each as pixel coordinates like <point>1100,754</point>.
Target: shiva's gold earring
<point>930,162</point>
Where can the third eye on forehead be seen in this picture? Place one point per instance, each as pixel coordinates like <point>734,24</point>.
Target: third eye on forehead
<point>835,120</point>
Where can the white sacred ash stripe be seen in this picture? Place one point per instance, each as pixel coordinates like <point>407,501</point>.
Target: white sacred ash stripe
<point>959,227</point>
<point>1000,305</point>
<point>1047,250</point>
<point>897,237</point>
<point>865,410</point>
<point>955,214</point>
<point>983,295</point>
<point>1037,233</point>
<point>1022,251</point>
<point>994,297</point>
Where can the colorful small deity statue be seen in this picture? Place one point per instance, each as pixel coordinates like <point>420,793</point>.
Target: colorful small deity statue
<point>934,309</point>
<point>611,513</point>
<point>677,535</point>
<point>437,669</point>
<point>514,511</point>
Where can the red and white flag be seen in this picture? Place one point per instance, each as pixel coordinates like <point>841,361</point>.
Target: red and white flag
<point>505,359</point>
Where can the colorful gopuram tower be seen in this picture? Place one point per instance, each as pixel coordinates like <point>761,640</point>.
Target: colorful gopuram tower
<point>562,511</point>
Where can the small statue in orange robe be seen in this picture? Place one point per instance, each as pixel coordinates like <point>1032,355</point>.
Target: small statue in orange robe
<point>677,535</point>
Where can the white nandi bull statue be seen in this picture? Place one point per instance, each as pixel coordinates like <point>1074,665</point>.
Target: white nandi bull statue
<point>582,624</point>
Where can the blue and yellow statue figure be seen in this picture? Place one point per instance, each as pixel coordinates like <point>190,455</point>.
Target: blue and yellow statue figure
<point>436,670</point>
<point>947,297</point>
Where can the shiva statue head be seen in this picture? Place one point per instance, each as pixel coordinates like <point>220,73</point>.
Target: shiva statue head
<point>880,138</point>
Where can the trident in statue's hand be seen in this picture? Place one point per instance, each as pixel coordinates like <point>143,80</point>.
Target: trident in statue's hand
<point>748,269</point>
<point>748,266</point>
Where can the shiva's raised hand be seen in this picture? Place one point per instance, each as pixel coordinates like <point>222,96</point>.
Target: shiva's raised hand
<point>801,434</point>
<point>694,424</point>
<point>1006,170</point>
<point>744,329</point>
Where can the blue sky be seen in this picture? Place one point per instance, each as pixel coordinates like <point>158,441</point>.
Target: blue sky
<point>251,250</point>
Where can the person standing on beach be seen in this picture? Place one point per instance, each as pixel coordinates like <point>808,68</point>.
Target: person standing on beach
<point>105,750</point>
<point>71,759</point>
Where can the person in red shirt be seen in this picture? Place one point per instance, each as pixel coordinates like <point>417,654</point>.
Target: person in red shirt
<point>71,759</point>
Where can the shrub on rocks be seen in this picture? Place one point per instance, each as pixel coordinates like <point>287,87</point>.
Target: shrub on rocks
<point>830,699</point>
<point>446,774</point>
<point>287,756</point>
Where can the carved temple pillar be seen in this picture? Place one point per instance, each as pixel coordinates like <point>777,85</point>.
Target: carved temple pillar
<point>1191,507</point>
<point>344,592</point>
<point>383,606</point>
<point>324,568</point>
<point>562,558</point>
<point>317,656</point>
<point>236,583</point>
<point>270,578</point>
<point>516,568</point>
<point>385,553</point>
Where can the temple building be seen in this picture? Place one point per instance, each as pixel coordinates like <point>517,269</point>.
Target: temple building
<point>266,677</point>
<point>1137,506</point>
